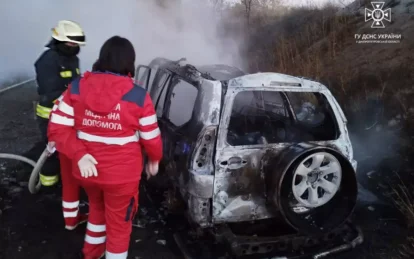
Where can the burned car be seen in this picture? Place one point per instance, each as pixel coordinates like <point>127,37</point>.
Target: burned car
<point>250,147</point>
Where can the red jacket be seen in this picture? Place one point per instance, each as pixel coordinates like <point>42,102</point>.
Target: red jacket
<point>107,116</point>
<point>60,155</point>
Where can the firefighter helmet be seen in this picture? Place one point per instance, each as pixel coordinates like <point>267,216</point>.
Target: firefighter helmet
<point>69,31</point>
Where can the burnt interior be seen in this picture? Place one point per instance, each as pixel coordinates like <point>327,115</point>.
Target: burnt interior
<point>265,117</point>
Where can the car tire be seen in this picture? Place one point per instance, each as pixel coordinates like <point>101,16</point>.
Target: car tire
<point>305,204</point>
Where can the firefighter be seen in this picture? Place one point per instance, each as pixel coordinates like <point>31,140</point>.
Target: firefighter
<point>55,69</point>
<point>102,124</point>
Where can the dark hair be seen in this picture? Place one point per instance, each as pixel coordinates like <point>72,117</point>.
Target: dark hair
<point>117,55</point>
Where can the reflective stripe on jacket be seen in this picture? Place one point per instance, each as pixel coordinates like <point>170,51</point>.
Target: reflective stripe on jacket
<point>54,72</point>
<point>109,117</point>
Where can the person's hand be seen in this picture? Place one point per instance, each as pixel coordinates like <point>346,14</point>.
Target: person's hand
<point>151,168</point>
<point>51,147</point>
<point>87,166</point>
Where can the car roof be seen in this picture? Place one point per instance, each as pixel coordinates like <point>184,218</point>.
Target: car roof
<point>236,78</point>
<point>276,80</point>
<point>221,72</point>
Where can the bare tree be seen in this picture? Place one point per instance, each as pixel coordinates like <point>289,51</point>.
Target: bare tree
<point>269,4</point>
<point>217,4</point>
<point>166,3</point>
<point>259,9</point>
<point>247,4</point>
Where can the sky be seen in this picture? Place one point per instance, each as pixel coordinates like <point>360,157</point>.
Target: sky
<point>189,31</point>
<point>316,2</point>
<point>307,2</point>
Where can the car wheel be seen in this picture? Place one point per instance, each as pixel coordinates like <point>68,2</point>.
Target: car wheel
<point>316,179</point>
<point>315,188</point>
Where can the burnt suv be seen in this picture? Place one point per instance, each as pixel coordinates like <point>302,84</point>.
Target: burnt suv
<point>248,147</point>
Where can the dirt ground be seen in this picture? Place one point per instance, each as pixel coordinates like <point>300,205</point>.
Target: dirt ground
<point>31,226</point>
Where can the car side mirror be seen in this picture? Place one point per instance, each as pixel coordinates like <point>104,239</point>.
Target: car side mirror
<point>142,76</point>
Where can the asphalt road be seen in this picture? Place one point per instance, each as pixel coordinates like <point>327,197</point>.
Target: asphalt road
<point>31,226</point>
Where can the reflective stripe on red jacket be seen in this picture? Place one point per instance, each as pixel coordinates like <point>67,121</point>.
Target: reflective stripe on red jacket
<point>109,117</point>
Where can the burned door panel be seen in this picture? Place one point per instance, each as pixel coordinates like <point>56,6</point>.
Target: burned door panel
<point>239,184</point>
<point>142,76</point>
<point>180,102</point>
<point>208,111</point>
<point>239,187</point>
<point>160,85</point>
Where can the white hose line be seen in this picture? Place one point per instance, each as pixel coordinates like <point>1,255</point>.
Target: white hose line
<point>34,181</point>
<point>15,85</point>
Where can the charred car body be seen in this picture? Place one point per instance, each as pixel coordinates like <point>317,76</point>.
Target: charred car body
<point>242,148</point>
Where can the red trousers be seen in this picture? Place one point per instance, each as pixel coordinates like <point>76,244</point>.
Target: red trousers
<point>70,193</point>
<point>111,210</point>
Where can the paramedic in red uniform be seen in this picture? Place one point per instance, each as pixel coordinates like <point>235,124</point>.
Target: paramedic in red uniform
<point>102,123</point>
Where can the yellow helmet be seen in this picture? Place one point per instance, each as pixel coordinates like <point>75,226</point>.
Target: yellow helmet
<point>69,31</point>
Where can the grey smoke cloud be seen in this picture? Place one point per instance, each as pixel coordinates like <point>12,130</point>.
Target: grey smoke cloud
<point>317,3</point>
<point>183,30</point>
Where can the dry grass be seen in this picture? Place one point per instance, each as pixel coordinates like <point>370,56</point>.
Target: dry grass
<point>309,47</point>
<point>315,44</point>
<point>407,250</point>
<point>403,196</point>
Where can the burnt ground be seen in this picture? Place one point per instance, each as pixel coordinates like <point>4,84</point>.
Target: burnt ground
<point>31,226</point>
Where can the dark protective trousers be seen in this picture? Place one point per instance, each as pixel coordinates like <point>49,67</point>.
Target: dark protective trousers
<point>49,175</point>
<point>111,210</point>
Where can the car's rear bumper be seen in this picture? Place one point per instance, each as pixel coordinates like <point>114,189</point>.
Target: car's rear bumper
<point>290,246</point>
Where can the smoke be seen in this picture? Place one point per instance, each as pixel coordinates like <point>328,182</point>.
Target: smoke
<point>375,137</point>
<point>317,3</point>
<point>181,29</point>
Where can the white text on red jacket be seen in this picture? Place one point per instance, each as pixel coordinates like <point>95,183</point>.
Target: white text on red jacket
<point>110,121</point>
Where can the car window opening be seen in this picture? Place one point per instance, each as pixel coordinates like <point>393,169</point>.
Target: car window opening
<point>181,103</point>
<point>263,117</point>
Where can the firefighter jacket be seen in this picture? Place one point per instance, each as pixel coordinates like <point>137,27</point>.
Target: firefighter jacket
<point>54,71</point>
<point>111,118</point>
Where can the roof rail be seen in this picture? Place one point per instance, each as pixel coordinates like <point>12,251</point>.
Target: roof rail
<point>180,60</point>
<point>277,83</point>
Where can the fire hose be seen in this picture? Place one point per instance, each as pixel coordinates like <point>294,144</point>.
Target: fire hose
<point>34,183</point>
<point>34,180</point>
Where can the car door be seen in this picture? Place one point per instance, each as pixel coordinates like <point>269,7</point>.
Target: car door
<point>177,115</point>
<point>145,75</point>
<point>142,76</point>
<point>239,183</point>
